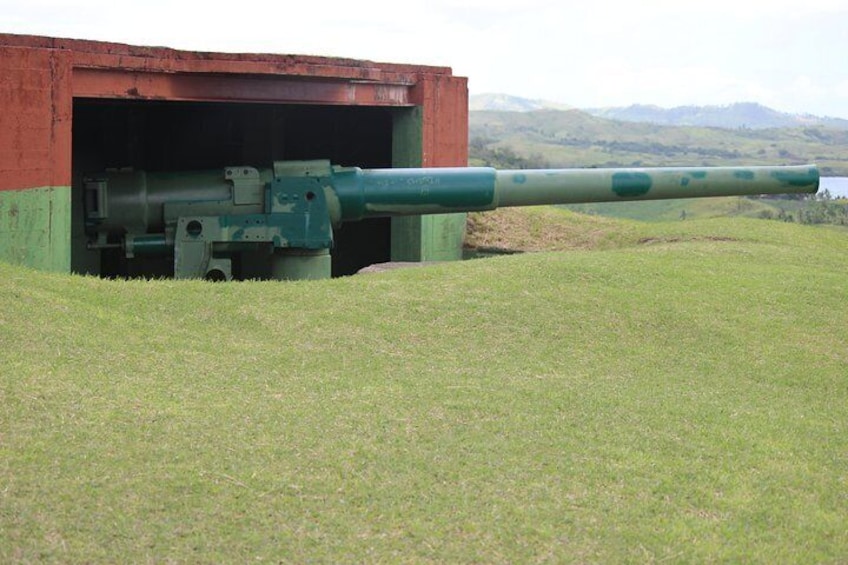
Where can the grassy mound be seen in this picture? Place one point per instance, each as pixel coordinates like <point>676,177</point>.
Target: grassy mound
<point>676,392</point>
<point>689,208</point>
<point>545,228</point>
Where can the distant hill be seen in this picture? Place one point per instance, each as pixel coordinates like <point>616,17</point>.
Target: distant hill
<point>508,103</point>
<point>739,115</point>
<point>573,138</point>
<point>733,116</point>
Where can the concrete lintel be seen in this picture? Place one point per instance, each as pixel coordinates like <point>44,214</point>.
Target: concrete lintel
<point>135,85</point>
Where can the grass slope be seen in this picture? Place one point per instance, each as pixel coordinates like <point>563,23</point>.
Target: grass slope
<point>679,399</point>
<point>689,208</point>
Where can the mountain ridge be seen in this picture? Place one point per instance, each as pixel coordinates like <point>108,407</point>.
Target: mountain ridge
<point>739,115</point>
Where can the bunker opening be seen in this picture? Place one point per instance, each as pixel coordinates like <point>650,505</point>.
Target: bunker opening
<point>172,136</point>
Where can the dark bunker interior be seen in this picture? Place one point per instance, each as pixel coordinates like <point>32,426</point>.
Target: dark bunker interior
<point>187,136</point>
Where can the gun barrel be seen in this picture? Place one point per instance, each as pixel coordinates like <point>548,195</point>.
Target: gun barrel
<point>391,192</point>
<point>571,186</point>
<point>205,219</point>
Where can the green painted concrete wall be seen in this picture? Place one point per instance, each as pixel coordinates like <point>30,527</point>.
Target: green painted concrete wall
<point>35,227</point>
<point>428,238</point>
<point>421,238</point>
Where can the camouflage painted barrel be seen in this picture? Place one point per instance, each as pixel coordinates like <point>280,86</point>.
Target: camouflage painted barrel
<point>388,192</point>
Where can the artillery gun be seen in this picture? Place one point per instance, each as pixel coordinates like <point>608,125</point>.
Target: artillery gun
<point>286,214</point>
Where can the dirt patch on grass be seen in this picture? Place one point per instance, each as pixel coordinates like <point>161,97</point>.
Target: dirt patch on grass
<point>653,240</point>
<point>511,230</point>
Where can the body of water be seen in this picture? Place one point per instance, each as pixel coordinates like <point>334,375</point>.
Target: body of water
<point>838,186</point>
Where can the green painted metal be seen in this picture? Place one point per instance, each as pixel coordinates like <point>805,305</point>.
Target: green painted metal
<point>398,192</point>
<point>300,264</point>
<point>35,227</point>
<point>152,244</point>
<point>291,210</point>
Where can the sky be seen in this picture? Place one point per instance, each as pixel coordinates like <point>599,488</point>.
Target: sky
<point>786,54</point>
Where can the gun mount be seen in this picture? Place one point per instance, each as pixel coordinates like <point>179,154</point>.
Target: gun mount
<point>206,218</point>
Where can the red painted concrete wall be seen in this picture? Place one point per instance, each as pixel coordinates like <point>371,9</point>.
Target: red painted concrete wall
<point>35,118</point>
<point>445,103</point>
<point>40,75</point>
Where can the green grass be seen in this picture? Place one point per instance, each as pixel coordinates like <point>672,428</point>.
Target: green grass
<point>802,211</point>
<point>680,399</point>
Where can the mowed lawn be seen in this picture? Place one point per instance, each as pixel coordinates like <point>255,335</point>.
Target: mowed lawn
<point>680,395</point>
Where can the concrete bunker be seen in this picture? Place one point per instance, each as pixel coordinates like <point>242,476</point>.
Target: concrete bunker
<point>73,107</point>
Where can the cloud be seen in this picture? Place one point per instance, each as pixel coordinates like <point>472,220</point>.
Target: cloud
<point>603,52</point>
